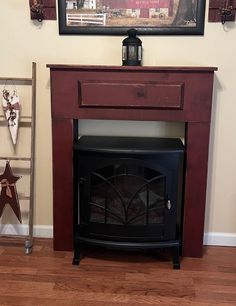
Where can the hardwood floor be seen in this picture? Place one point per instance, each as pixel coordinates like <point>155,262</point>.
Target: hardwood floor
<point>116,278</point>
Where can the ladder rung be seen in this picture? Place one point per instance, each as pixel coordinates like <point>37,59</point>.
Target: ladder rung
<point>21,117</point>
<point>24,197</point>
<point>15,158</point>
<point>15,79</point>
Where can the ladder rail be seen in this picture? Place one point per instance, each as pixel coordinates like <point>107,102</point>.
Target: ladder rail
<point>29,242</point>
<point>28,81</point>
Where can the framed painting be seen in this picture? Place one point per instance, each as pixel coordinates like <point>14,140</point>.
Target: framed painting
<point>115,17</point>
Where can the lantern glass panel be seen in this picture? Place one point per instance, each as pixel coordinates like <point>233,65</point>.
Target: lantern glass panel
<point>132,53</point>
<point>124,53</point>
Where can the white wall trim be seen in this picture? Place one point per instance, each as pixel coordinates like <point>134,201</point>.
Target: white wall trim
<point>46,231</point>
<point>221,239</point>
<point>42,231</point>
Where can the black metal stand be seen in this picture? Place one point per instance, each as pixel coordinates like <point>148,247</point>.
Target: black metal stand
<point>174,245</point>
<point>176,258</point>
<point>77,253</point>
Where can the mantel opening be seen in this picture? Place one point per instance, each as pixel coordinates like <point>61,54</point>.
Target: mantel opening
<point>132,128</point>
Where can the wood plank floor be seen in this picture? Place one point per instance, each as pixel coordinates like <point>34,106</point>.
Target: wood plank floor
<point>116,278</point>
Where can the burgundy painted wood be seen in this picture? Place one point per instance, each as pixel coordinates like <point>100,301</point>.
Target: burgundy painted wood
<point>197,140</point>
<point>132,93</point>
<point>62,136</point>
<point>49,9</point>
<point>148,95</point>
<point>215,10</point>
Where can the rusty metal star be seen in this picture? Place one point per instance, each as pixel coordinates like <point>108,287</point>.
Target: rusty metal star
<point>8,191</point>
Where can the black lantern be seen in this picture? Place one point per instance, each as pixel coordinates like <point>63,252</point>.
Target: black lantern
<point>132,49</point>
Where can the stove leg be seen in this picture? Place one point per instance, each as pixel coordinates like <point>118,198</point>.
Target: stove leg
<point>176,258</point>
<point>76,259</point>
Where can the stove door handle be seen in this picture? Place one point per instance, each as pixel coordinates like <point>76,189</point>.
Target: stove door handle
<point>168,204</point>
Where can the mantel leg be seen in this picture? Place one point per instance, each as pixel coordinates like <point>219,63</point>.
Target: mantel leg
<point>62,140</point>
<point>197,144</point>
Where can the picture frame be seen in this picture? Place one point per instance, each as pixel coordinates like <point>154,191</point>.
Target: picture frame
<point>115,17</point>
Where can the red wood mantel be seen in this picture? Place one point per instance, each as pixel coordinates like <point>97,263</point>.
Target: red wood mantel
<point>131,93</point>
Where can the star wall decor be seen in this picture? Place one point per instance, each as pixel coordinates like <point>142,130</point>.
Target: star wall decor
<point>11,108</point>
<point>8,191</point>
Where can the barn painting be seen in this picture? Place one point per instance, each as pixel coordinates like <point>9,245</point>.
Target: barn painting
<point>130,12</point>
<point>142,14</point>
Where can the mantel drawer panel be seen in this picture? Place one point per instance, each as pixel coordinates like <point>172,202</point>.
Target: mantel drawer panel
<point>120,94</point>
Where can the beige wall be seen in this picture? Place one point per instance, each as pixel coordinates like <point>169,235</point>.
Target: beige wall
<point>22,42</point>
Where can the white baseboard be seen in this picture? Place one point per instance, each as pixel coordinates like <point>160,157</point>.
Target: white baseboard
<point>220,239</point>
<point>46,231</point>
<point>42,231</point>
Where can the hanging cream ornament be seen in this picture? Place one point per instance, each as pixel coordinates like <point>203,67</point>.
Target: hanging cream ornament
<point>11,108</point>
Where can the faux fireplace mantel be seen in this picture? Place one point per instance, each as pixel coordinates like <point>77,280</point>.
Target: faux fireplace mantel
<point>181,94</point>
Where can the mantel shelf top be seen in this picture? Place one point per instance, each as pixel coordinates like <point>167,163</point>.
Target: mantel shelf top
<point>131,68</point>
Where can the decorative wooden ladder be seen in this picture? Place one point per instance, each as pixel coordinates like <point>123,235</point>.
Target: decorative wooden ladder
<point>29,121</point>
